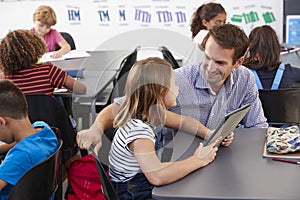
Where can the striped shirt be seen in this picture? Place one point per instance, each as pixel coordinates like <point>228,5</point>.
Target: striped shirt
<point>195,98</point>
<point>123,165</point>
<point>39,78</point>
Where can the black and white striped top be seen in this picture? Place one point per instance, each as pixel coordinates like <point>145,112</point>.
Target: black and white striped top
<point>122,163</point>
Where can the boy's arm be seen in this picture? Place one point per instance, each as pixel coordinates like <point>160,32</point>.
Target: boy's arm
<point>2,184</point>
<point>4,148</point>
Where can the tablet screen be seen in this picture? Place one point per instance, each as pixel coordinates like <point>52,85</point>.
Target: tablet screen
<point>229,123</point>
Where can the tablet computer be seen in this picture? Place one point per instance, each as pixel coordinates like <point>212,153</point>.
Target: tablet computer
<point>231,120</point>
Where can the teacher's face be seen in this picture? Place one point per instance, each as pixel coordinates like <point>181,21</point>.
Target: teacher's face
<point>217,64</point>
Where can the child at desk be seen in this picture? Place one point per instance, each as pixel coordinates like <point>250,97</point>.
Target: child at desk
<point>134,165</point>
<point>33,142</point>
<point>44,18</point>
<point>20,51</point>
<point>204,18</point>
<point>263,58</point>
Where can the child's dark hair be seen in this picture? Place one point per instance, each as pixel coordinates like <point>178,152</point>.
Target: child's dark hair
<point>206,11</point>
<point>12,101</point>
<point>20,49</point>
<point>262,38</point>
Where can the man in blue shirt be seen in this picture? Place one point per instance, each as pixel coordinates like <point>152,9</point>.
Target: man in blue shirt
<point>220,84</point>
<point>206,92</point>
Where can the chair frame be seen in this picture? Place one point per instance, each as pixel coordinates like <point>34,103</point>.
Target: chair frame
<point>107,187</point>
<point>27,188</point>
<point>42,107</point>
<point>281,107</point>
<point>68,37</point>
<point>169,56</point>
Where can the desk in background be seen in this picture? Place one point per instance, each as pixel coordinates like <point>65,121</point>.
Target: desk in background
<point>100,70</point>
<point>292,57</point>
<point>99,60</point>
<point>238,172</point>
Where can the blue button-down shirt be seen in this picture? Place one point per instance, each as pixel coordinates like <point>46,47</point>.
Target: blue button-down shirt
<point>195,98</point>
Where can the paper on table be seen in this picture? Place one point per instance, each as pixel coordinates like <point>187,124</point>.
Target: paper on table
<point>60,90</point>
<point>70,55</point>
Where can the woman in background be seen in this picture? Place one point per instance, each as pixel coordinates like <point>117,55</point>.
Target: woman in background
<point>263,58</point>
<point>205,17</point>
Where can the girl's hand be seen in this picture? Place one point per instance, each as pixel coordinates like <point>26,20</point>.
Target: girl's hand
<point>56,54</point>
<point>208,153</point>
<point>89,138</point>
<point>228,140</point>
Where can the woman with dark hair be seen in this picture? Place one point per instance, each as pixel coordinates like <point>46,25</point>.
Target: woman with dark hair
<point>263,58</point>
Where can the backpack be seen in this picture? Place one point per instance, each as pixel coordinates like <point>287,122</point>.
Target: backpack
<point>84,180</point>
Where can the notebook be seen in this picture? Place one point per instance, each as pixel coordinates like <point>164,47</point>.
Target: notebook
<point>231,120</point>
<point>75,73</point>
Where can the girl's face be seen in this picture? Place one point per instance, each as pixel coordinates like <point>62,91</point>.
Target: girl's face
<point>172,93</point>
<point>217,20</point>
<point>41,29</point>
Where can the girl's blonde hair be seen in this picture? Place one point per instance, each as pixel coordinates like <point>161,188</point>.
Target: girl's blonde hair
<point>147,83</point>
<point>45,15</point>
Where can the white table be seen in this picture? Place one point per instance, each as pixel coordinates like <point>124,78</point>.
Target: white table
<point>292,57</point>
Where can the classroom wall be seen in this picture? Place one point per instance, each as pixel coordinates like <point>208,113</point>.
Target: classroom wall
<point>98,24</point>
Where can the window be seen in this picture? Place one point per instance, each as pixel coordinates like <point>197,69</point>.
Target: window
<point>293,30</point>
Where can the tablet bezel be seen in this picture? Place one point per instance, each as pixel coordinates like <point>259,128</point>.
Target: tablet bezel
<point>231,120</point>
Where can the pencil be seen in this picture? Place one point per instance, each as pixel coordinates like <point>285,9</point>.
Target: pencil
<point>286,160</point>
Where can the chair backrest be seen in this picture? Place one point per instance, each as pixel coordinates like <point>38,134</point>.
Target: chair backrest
<point>107,187</point>
<point>41,181</point>
<point>126,64</point>
<point>69,39</point>
<point>281,106</point>
<point>46,108</point>
<point>169,56</point>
